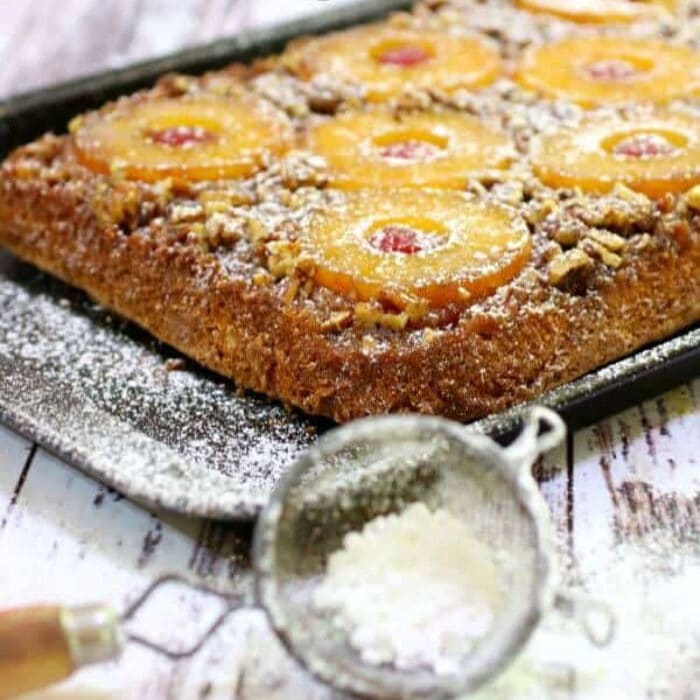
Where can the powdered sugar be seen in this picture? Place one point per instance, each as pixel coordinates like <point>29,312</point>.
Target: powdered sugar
<point>414,590</point>
<point>100,392</point>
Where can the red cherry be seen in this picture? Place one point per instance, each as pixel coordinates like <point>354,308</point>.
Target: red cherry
<point>410,150</point>
<point>180,136</point>
<point>610,69</point>
<point>396,239</point>
<point>404,56</point>
<point>643,146</point>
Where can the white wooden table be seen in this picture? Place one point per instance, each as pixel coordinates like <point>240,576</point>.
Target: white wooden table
<point>624,494</point>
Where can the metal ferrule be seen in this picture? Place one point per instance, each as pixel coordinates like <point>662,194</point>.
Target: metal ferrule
<point>93,633</point>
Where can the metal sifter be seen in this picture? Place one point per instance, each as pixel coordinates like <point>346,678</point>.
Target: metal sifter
<point>383,465</point>
<point>351,476</point>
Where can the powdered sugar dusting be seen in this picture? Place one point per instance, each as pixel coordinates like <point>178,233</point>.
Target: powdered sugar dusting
<point>77,378</point>
<point>414,590</point>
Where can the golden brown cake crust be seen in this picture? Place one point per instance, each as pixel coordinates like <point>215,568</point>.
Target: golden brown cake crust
<point>125,243</point>
<point>183,296</point>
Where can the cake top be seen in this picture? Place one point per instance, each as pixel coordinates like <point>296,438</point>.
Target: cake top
<point>426,171</point>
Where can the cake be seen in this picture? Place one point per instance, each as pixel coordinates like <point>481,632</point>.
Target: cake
<point>448,212</point>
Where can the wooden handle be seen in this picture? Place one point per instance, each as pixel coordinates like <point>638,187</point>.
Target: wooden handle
<point>34,651</point>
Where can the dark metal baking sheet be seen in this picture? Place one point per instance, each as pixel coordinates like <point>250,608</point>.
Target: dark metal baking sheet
<point>130,411</point>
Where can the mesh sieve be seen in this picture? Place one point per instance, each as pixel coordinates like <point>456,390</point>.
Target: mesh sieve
<point>380,466</point>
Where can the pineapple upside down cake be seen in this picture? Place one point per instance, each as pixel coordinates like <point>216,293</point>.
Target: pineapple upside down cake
<point>449,212</point>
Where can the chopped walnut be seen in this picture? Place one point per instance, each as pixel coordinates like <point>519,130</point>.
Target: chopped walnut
<point>282,257</point>
<point>261,278</point>
<point>551,250</point>
<point>624,211</point>
<point>414,306</point>
<point>291,291</point>
<point>338,320</point>
<point>692,198</point>
<point>539,210</point>
<point>185,211</point>
<point>609,240</point>
<point>223,230</point>
<point>284,90</point>
<point>368,316</point>
<point>564,228</point>
<point>221,201</point>
<point>412,99</point>
<point>509,192</point>
<point>257,232</point>
<point>302,168</point>
<point>430,335</point>
<point>368,344</point>
<point>569,267</point>
<point>596,250</point>
<point>642,242</point>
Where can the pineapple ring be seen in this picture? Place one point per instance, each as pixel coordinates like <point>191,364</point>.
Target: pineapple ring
<point>187,139</point>
<point>651,154</point>
<point>408,244</point>
<point>603,70</point>
<point>386,60</point>
<point>599,11</point>
<point>375,149</point>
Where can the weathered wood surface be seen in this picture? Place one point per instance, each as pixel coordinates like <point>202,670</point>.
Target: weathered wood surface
<point>624,494</point>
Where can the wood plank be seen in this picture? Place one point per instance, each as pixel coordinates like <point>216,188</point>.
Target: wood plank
<point>16,455</point>
<point>636,528</point>
<point>40,45</point>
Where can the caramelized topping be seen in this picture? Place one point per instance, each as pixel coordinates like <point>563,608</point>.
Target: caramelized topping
<point>599,11</point>
<point>608,70</point>
<point>189,138</point>
<point>375,149</point>
<point>651,154</point>
<point>385,60</point>
<point>416,244</point>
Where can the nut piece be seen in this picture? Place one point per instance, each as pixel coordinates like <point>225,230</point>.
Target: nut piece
<point>692,198</point>
<point>369,316</point>
<point>282,257</point>
<point>608,240</point>
<point>223,230</point>
<point>337,321</point>
<point>565,266</point>
<point>563,228</point>
<point>596,250</point>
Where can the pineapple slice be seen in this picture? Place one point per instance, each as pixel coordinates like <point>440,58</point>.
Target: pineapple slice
<point>187,139</point>
<point>653,154</point>
<point>605,70</point>
<point>416,244</point>
<point>386,60</point>
<point>378,149</point>
<point>601,11</point>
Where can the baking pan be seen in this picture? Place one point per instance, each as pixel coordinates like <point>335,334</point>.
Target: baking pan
<point>135,414</point>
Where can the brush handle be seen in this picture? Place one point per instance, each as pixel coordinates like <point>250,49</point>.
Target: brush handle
<point>41,645</point>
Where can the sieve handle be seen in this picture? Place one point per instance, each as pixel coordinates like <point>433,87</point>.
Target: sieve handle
<point>43,644</point>
<point>529,444</point>
<point>595,617</point>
